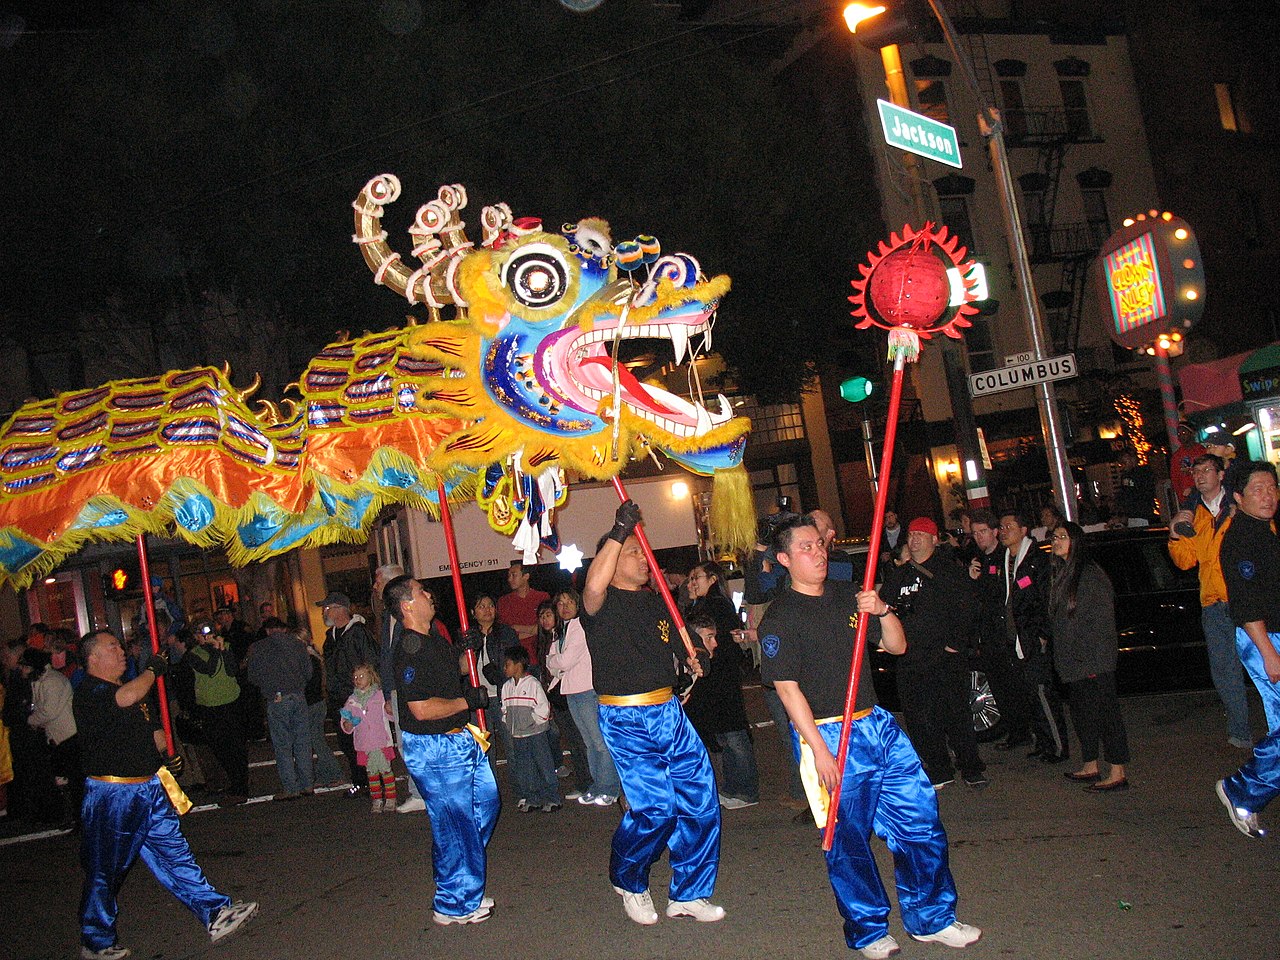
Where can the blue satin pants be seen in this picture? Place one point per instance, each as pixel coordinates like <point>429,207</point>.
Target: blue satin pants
<point>1257,783</point>
<point>124,821</point>
<point>671,789</point>
<point>457,784</point>
<point>886,792</point>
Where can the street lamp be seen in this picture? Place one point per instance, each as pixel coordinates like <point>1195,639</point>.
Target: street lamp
<point>989,123</point>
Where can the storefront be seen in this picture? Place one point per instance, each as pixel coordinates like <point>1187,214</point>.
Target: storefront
<point>1260,391</point>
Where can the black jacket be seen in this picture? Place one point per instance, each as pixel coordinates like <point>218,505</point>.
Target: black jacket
<point>345,649</point>
<point>1085,643</point>
<point>1029,598</point>
<point>936,602</point>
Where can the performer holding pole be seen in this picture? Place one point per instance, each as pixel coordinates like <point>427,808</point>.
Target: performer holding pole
<point>464,622</point>
<point>664,768</point>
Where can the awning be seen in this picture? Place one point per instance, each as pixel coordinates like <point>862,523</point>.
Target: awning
<point>1208,386</point>
<point>1260,374</point>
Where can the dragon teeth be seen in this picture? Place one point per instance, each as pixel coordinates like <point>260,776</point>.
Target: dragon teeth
<point>679,335</point>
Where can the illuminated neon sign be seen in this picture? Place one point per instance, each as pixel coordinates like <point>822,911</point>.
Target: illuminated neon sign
<point>1152,279</point>
<point>1133,276</point>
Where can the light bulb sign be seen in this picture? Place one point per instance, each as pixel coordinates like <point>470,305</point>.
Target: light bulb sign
<point>1152,279</point>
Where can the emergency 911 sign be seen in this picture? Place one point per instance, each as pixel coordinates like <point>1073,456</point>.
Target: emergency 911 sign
<point>1023,375</point>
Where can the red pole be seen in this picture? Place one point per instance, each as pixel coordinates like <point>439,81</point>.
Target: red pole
<point>868,583</point>
<point>663,589</point>
<point>463,622</point>
<point>1168,402</point>
<point>145,569</point>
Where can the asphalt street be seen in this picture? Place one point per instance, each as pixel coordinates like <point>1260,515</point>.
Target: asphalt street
<point>1045,869</point>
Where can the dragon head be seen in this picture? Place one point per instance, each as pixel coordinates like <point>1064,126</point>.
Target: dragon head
<point>530,354</point>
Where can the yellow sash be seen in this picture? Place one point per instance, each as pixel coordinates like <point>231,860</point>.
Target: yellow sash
<point>652,698</point>
<point>181,802</point>
<point>817,795</point>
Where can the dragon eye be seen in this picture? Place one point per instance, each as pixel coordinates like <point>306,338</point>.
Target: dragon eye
<point>536,275</point>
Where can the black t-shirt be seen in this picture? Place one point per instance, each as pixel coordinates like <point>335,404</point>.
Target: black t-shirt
<point>1250,558</point>
<point>426,667</point>
<point>633,643</point>
<point>810,640</point>
<point>114,741</point>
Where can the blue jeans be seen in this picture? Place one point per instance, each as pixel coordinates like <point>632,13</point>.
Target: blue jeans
<point>585,710</point>
<point>290,726</point>
<point>738,766</point>
<point>533,772</point>
<point>327,768</point>
<point>1224,667</point>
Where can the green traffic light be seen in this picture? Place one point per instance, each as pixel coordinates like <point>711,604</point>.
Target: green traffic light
<point>856,389</point>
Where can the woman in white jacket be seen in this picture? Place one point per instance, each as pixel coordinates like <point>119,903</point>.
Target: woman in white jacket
<point>570,662</point>
<point>51,713</point>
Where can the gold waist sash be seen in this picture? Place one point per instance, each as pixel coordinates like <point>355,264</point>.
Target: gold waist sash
<point>652,698</point>
<point>181,802</point>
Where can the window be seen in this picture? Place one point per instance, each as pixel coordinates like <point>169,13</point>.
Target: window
<point>1075,108</point>
<point>1096,215</point>
<point>931,99</point>
<point>955,214</point>
<point>980,345</point>
<point>1229,112</point>
<point>773,424</point>
<point>1015,110</point>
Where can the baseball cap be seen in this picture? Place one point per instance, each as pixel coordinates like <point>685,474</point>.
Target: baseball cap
<point>335,599</point>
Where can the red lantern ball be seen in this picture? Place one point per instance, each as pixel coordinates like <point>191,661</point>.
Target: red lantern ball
<point>909,288</point>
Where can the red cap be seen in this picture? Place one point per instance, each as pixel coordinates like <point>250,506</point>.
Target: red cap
<point>923,525</point>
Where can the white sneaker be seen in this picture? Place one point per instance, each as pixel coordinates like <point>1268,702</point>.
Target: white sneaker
<point>883,948</point>
<point>113,952</point>
<point>639,906</point>
<point>602,800</point>
<point>486,902</point>
<point>478,915</point>
<point>702,910</point>
<point>522,805</point>
<point>376,807</point>
<point>230,919</point>
<point>412,805</point>
<point>956,934</point>
<point>1245,822</point>
<point>574,795</point>
<point>734,803</point>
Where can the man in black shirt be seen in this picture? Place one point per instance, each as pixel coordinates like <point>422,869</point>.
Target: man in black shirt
<point>129,804</point>
<point>443,754</point>
<point>662,763</point>
<point>807,639</point>
<point>1251,568</point>
<point>937,604</point>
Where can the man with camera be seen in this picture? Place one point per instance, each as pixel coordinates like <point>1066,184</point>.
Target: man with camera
<point>936,603</point>
<point>444,757</point>
<point>218,709</point>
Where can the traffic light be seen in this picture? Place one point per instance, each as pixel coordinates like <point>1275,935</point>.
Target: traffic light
<point>117,583</point>
<point>877,25</point>
<point>856,389</point>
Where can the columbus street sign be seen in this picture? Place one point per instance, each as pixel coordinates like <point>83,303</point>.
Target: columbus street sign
<point>1023,375</point>
<point>919,134</point>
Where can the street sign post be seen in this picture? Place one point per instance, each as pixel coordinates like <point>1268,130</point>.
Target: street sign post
<point>1023,375</point>
<point>919,134</point>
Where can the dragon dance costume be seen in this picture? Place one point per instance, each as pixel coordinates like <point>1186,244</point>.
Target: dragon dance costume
<point>129,812</point>
<point>661,762</point>
<point>885,789</point>
<point>448,765</point>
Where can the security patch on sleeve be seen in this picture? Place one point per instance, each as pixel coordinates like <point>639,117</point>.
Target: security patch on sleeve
<point>409,674</point>
<point>769,645</point>
<point>1247,569</point>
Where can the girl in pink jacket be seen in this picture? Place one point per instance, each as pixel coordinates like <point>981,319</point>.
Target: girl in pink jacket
<point>364,716</point>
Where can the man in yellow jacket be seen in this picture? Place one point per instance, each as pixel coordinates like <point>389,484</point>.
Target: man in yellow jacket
<point>1211,518</point>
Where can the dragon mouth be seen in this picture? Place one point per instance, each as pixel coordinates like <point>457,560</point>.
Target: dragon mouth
<point>586,355</point>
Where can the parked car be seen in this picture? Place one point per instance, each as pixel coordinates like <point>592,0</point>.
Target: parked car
<point>1157,617</point>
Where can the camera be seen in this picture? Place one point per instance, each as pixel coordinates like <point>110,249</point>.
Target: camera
<point>770,523</point>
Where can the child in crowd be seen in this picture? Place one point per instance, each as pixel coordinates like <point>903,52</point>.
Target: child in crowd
<point>364,716</point>
<point>527,714</point>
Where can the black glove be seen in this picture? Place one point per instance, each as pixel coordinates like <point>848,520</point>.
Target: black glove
<point>477,697</point>
<point>174,764</point>
<point>472,639</point>
<point>625,521</point>
<point>158,664</point>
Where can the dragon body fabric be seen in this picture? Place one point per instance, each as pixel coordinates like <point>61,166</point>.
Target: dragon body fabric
<point>511,383</point>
